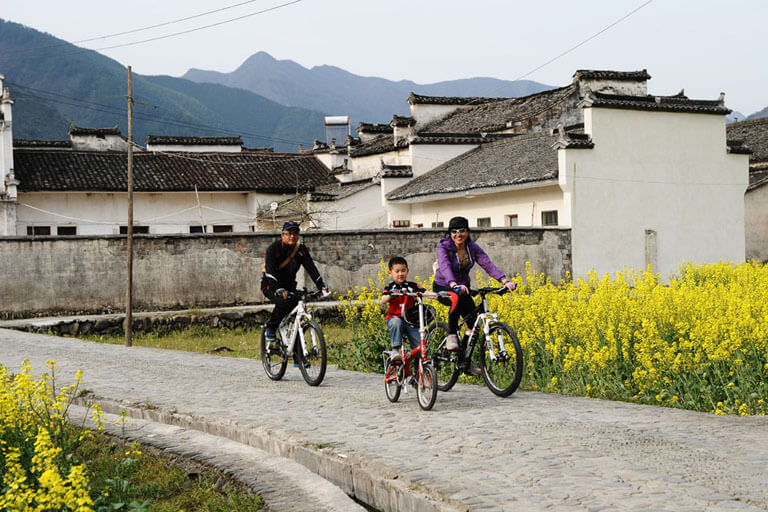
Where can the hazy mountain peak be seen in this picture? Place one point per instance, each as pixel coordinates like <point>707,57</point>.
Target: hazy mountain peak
<point>335,91</point>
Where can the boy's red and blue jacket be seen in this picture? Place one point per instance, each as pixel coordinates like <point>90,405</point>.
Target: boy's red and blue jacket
<point>398,304</point>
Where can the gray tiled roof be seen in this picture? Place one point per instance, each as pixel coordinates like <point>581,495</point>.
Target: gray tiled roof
<point>379,144</point>
<point>495,116</point>
<point>47,170</point>
<point>396,171</point>
<point>755,133</point>
<point>194,141</point>
<point>402,121</point>
<point>32,143</point>
<point>450,100</point>
<point>593,74</point>
<point>458,138</point>
<point>677,103</point>
<point>338,191</point>
<point>374,128</point>
<point>518,160</point>
<point>77,130</point>
<point>757,178</point>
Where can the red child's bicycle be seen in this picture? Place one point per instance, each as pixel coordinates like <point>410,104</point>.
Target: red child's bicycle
<point>397,366</point>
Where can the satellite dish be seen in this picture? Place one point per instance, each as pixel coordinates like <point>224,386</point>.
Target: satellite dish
<point>273,205</point>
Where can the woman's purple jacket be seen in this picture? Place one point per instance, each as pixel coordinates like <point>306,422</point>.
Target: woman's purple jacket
<point>448,263</point>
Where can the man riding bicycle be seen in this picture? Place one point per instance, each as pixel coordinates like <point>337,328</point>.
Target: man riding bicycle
<point>283,259</point>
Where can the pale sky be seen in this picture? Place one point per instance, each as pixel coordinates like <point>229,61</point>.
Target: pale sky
<point>704,46</point>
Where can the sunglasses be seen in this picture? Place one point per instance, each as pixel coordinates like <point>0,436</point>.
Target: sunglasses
<point>458,231</point>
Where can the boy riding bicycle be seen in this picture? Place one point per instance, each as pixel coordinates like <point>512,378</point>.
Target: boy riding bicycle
<point>398,305</point>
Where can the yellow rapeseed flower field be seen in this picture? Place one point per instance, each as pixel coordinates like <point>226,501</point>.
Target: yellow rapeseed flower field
<point>698,341</point>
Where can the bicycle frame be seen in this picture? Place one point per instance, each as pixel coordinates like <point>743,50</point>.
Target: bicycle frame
<point>420,351</point>
<point>298,314</point>
<point>483,321</point>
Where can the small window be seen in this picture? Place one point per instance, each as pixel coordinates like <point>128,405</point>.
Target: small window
<point>196,229</point>
<point>512,220</point>
<point>66,230</point>
<point>484,222</point>
<point>136,230</point>
<point>440,224</point>
<point>38,230</point>
<point>401,223</point>
<point>224,228</point>
<point>549,218</point>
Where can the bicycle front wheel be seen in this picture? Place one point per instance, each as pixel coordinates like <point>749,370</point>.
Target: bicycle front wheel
<point>502,361</point>
<point>313,364</point>
<point>273,358</point>
<point>444,361</point>
<point>426,386</point>
<point>392,379</point>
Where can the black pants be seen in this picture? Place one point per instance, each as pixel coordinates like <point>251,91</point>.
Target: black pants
<point>463,309</point>
<point>282,308</point>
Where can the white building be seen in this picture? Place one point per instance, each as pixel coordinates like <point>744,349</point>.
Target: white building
<point>753,135</point>
<point>640,179</point>
<point>185,185</point>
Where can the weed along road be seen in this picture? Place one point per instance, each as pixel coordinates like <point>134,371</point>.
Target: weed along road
<point>473,451</point>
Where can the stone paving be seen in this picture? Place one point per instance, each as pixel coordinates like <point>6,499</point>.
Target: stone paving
<point>473,451</point>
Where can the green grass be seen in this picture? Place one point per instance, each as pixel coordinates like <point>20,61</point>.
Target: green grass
<point>134,477</point>
<point>224,342</point>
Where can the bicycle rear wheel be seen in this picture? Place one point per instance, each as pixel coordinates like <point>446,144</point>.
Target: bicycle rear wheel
<point>503,371</point>
<point>444,361</point>
<point>313,364</point>
<point>392,379</point>
<point>426,386</point>
<point>273,359</point>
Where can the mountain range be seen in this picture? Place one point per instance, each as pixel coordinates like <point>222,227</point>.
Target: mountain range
<point>269,102</point>
<point>334,91</point>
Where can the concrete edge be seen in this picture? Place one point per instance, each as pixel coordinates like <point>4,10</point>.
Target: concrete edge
<point>284,485</point>
<point>378,487</point>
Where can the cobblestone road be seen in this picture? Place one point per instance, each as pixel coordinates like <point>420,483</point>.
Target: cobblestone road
<point>473,451</point>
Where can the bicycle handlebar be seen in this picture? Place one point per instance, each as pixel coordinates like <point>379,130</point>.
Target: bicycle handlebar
<point>489,290</point>
<point>309,294</point>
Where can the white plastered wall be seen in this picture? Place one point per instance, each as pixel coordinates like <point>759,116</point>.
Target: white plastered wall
<point>362,210</point>
<point>657,187</point>
<point>425,157</point>
<point>756,223</point>
<point>525,202</point>
<point>98,213</point>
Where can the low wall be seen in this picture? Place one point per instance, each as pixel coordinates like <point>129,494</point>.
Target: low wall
<point>87,274</point>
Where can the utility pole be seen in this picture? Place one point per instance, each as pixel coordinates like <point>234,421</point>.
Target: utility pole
<point>129,272</point>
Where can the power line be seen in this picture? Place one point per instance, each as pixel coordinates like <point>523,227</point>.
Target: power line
<point>569,50</point>
<point>133,31</point>
<point>110,109</point>
<point>158,38</point>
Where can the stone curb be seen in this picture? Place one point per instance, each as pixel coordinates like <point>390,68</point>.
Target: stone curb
<point>161,321</point>
<point>284,485</point>
<point>356,477</point>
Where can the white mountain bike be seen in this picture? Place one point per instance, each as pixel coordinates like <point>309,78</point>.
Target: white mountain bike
<point>300,337</point>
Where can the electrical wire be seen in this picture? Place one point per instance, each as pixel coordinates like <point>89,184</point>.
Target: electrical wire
<point>151,39</point>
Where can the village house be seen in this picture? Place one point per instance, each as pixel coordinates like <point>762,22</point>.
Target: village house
<point>639,179</point>
<point>181,184</point>
<point>753,134</point>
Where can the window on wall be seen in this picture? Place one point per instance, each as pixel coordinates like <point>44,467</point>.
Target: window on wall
<point>137,230</point>
<point>38,230</point>
<point>196,229</point>
<point>401,223</point>
<point>66,230</point>
<point>484,222</point>
<point>222,228</point>
<point>512,220</point>
<point>549,218</point>
<point>440,224</point>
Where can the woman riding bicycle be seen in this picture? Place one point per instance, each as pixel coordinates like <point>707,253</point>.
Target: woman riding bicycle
<point>457,253</point>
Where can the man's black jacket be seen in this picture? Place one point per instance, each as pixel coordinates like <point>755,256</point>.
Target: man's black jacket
<point>274,279</point>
